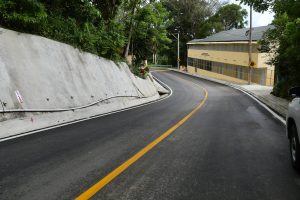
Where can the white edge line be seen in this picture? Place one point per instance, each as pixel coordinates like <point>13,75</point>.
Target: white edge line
<point>92,117</point>
<point>281,119</point>
<point>263,105</point>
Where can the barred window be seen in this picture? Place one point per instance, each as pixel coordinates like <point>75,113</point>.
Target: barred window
<point>190,61</point>
<point>199,63</point>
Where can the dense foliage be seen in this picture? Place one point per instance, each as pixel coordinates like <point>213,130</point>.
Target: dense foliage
<point>227,17</point>
<point>188,17</point>
<point>146,25</point>
<point>116,28</point>
<point>76,22</point>
<point>199,19</point>
<point>283,41</point>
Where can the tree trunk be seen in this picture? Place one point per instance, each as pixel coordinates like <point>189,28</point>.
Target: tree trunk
<point>129,40</point>
<point>126,51</point>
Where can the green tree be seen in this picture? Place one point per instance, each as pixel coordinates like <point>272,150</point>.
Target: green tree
<point>230,16</point>
<point>22,14</point>
<point>127,17</point>
<point>150,30</point>
<point>146,23</point>
<point>75,22</point>
<point>108,8</point>
<point>188,17</point>
<point>283,41</point>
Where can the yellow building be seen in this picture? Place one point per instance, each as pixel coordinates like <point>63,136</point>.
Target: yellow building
<point>225,56</point>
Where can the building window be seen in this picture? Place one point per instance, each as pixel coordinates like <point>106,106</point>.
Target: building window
<point>190,61</point>
<point>199,63</point>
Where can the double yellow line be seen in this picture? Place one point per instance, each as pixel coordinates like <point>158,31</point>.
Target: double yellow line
<point>116,172</point>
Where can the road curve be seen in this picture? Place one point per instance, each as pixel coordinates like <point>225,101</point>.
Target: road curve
<point>231,148</point>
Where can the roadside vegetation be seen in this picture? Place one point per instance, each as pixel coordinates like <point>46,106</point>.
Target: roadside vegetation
<point>115,29</point>
<point>283,41</point>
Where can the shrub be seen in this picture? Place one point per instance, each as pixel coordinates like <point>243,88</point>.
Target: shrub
<point>22,15</point>
<point>75,22</point>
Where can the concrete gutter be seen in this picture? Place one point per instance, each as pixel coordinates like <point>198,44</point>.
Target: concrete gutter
<point>278,109</point>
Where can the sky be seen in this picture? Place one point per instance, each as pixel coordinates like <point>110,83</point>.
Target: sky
<point>258,19</point>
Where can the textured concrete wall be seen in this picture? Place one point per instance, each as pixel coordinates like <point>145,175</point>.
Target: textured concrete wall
<point>52,75</point>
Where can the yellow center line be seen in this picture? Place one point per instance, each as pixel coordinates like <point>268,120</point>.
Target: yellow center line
<point>113,174</point>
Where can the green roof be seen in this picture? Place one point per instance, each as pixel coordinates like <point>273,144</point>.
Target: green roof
<point>235,35</point>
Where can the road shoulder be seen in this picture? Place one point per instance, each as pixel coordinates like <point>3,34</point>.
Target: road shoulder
<point>275,105</point>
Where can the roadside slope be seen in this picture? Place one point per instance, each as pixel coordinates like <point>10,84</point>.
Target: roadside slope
<point>38,74</point>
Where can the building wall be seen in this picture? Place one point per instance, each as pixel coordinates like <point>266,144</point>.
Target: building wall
<point>231,60</point>
<point>226,53</point>
<point>194,70</point>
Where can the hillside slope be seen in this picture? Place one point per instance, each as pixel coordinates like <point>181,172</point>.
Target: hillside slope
<point>38,74</point>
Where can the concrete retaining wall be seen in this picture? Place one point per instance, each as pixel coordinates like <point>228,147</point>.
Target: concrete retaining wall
<point>52,75</point>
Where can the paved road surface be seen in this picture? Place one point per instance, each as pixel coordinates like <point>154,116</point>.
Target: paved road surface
<point>231,148</point>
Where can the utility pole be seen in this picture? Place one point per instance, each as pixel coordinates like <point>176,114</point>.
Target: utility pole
<point>250,48</point>
<point>178,51</point>
<point>178,55</point>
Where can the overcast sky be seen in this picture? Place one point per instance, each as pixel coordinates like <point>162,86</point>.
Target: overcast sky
<point>258,19</point>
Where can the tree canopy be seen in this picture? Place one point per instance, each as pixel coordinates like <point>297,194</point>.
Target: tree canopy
<point>283,41</point>
<point>115,28</point>
<point>199,19</point>
<point>229,16</point>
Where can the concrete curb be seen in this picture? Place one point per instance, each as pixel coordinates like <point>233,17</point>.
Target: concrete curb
<point>278,114</point>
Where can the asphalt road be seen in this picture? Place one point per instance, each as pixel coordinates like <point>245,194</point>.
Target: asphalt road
<point>231,148</point>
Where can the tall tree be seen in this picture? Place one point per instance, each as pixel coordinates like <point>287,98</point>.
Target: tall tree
<point>228,17</point>
<point>260,5</point>
<point>150,30</point>
<point>146,23</point>
<point>188,16</point>
<point>282,41</point>
<point>129,9</point>
<point>108,8</point>
<point>231,16</point>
